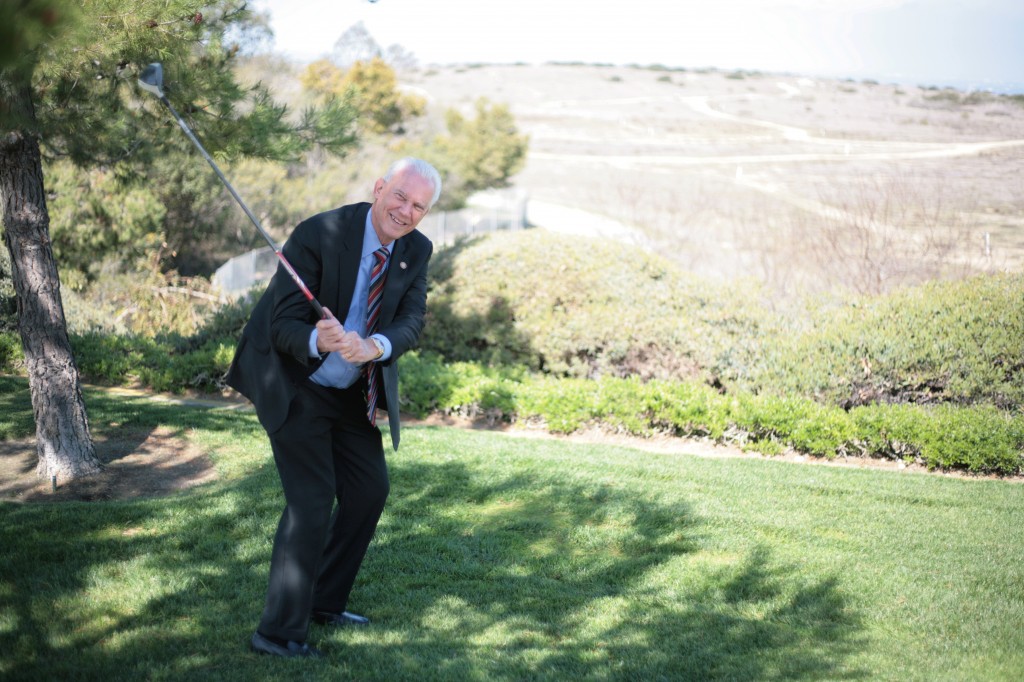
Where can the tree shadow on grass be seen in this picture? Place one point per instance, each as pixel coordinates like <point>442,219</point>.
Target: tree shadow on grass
<point>140,442</point>
<point>509,571</point>
<point>583,580</point>
<point>194,591</point>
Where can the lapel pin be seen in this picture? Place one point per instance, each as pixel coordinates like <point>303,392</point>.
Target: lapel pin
<point>403,265</point>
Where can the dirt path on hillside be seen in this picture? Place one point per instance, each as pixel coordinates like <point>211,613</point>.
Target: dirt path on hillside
<point>570,220</point>
<point>851,150</point>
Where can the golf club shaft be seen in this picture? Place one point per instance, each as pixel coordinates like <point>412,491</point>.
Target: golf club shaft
<point>280,256</point>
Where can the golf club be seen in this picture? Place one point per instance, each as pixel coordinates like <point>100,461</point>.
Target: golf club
<point>151,80</point>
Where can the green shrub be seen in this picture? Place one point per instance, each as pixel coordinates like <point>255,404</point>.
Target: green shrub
<point>799,423</point>
<point>120,360</point>
<point>580,307</point>
<point>426,383</point>
<point>482,392</point>
<point>574,307</point>
<point>564,405</point>
<point>976,438</point>
<point>11,357</point>
<point>202,369</point>
<point>956,342</point>
<point>980,439</point>
<point>689,409</point>
<point>625,405</point>
<point>112,359</point>
<point>8,299</point>
<point>429,384</point>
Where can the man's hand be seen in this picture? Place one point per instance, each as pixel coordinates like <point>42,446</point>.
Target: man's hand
<point>331,336</point>
<point>329,333</point>
<point>356,349</point>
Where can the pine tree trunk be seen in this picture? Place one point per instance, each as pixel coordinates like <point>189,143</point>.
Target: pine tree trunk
<point>63,441</point>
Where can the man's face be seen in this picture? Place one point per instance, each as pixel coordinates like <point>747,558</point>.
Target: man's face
<point>399,204</point>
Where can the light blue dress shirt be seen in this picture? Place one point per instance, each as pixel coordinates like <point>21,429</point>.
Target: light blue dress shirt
<point>336,371</point>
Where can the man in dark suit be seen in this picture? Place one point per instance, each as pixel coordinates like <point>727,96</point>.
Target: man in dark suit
<point>314,381</point>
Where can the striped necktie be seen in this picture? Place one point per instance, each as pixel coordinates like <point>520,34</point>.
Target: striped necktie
<point>378,275</point>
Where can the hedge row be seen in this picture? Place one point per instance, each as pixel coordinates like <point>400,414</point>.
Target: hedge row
<point>980,439</point>
<point>128,360</point>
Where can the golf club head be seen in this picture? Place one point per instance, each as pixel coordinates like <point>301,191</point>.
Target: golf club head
<point>152,79</point>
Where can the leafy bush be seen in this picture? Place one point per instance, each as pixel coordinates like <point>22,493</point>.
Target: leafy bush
<point>689,409</point>
<point>11,356</point>
<point>122,359</point>
<point>980,439</point>
<point>115,359</point>
<point>429,384</point>
<point>8,300</point>
<point>576,307</point>
<point>799,423</point>
<point>580,307</point>
<point>941,342</point>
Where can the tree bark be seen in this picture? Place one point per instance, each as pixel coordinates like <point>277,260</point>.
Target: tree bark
<point>63,441</point>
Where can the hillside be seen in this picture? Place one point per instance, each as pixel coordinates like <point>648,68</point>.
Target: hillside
<point>800,183</point>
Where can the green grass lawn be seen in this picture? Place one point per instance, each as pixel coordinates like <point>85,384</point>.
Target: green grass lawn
<point>501,558</point>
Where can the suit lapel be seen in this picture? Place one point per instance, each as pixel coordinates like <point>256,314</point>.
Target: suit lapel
<point>348,263</point>
<point>396,281</point>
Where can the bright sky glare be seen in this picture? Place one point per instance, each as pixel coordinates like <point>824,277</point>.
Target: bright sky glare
<point>968,43</point>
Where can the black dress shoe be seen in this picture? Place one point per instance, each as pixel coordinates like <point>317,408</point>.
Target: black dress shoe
<point>339,619</point>
<point>263,645</point>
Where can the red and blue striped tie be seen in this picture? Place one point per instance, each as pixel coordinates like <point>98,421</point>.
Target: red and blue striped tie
<point>377,276</point>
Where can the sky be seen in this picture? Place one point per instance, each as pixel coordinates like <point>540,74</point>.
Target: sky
<point>964,43</point>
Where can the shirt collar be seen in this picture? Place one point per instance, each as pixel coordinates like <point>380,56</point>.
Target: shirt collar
<point>370,240</point>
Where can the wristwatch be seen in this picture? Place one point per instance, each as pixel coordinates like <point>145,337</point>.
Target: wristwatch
<point>380,348</point>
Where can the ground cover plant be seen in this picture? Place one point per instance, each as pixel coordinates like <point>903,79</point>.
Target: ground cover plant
<point>981,439</point>
<point>509,558</point>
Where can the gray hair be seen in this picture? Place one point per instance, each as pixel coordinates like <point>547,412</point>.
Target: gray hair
<point>422,169</point>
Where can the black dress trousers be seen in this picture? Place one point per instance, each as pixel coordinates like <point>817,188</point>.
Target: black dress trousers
<point>327,451</point>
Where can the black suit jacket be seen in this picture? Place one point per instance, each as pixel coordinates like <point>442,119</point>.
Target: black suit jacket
<point>272,357</point>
